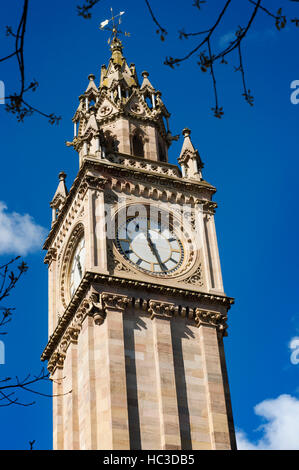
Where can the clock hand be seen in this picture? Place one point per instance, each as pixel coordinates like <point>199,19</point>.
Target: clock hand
<point>155,251</point>
<point>79,265</point>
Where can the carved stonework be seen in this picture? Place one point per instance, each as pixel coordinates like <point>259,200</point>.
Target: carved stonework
<point>93,182</point>
<point>114,301</point>
<point>89,306</point>
<point>175,187</point>
<point>211,318</point>
<point>114,264</point>
<point>75,236</point>
<point>195,278</point>
<point>162,309</point>
<point>118,266</point>
<point>105,110</point>
<point>50,256</point>
<point>208,207</point>
<point>98,306</point>
<point>94,308</point>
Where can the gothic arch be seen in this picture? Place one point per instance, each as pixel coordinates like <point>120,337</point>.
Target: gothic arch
<point>109,142</point>
<point>138,143</point>
<point>76,234</point>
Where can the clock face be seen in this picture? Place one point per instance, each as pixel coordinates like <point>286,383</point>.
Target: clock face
<point>77,266</point>
<point>150,245</point>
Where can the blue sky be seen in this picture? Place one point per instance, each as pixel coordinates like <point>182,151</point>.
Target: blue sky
<point>251,156</point>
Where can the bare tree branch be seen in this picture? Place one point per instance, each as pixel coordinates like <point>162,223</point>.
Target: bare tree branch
<point>162,31</point>
<point>9,386</point>
<point>24,385</point>
<point>8,282</point>
<point>84,10</point>
<point>16,104</point>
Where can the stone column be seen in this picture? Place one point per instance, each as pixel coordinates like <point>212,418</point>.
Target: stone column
<point>70,398</point>
<point>96,249</point>
<point>214,253</point>
<point>51,260</point>
<point>113,419</point>
<point>202,243</point>
<point>58,428</point>
<point>214,381</point>
<point>86,387</point>
<point>161,314</point>
<point>100,231</point>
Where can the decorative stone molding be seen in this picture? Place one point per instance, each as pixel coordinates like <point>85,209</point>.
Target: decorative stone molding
<point>121,267</point>
<point>92,182</point>
<point>105,110</point>
<point>175,187</point>
<point>211,318</point>
<point>76,234</point>
<point>164,310</point>
<point>56,360</point>
<point>114,264</point>
<point>195,278</point>
<point>50,256</point>
<point>79,305</point>
<point>115,301</point>
<point>146,165</point>
<point>208,207</point>
<point>60,228</point>
<point>89,306</point>
<point>94,308</point>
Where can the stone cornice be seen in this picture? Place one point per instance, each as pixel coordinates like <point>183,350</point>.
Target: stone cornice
<point>97,308</point>
<point>205,317</point>
<point>124,172</point>
<point>164,310</point>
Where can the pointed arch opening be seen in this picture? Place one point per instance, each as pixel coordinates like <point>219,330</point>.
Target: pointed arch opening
<point>109,142</point>
<point>137,145</point>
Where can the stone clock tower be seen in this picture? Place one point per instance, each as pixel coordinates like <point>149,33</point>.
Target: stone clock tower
<point>137,310</point>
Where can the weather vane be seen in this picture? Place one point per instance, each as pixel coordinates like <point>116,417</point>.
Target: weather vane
<point>112,25</point>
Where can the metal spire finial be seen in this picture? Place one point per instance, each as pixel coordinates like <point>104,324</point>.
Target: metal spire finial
<point>112,25</point>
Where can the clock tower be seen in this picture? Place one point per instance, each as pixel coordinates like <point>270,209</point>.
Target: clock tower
<point>137,310</point>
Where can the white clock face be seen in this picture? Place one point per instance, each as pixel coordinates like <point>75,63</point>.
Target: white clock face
<point>77,266</point>
<point>150,245</point>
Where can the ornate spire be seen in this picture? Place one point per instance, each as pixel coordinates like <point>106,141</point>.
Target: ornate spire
<point>120,115</point>
<point>91,86</point>
<point>189,158</point>
<point>116,48</point>
<point>59,196</point>
<point>146,84</point>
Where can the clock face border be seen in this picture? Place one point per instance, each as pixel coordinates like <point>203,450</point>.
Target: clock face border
<point>79,241</point>
<point>67,255</point>
<point>183,238</point>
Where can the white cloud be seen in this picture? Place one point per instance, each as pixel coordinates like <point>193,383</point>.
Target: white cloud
<point>227,38</point>
<point>280,430</point>
<point>263,35</point>
<point>19,234</point>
